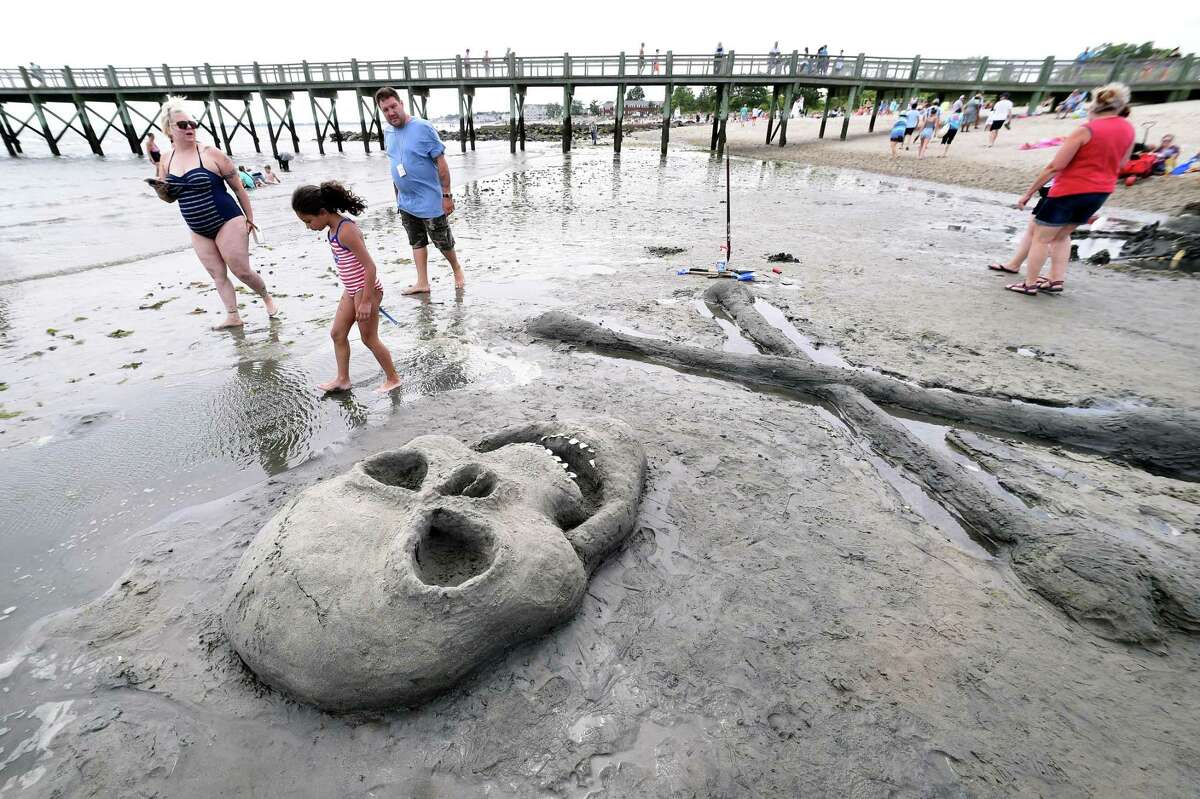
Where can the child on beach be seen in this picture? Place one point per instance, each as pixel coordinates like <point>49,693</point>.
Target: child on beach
<point>899,129</point>
<point>913,116</point>
<point>953,123</point>
<point>929,124</point>
<point>321,208</point>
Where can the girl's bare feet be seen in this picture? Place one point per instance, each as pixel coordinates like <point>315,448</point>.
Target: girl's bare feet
<point>335,385</point>
<point>231,320</point>
<point>269,303</point>
<point>388,385</point>
<point>415,290</point>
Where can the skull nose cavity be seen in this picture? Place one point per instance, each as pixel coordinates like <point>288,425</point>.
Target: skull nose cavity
<point>405,468</point>
<point>452,549</point>
<point>471,480</point>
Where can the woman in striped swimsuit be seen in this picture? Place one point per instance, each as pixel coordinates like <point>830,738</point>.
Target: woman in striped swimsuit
<point>220,230</point>
<point>321,208</point>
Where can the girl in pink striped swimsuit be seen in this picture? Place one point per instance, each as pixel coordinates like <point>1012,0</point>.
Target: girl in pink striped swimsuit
<point>321,208</point>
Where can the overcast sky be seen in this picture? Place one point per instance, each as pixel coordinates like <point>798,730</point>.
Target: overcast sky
<point>218,31</point>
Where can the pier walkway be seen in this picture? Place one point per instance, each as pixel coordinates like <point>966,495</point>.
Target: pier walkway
<point>93,102</point>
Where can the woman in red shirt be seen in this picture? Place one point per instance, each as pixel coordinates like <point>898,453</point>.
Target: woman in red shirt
<point>1085,173</point>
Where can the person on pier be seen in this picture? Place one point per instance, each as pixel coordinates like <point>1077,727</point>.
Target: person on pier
<point>196,175</point>
<point>421,180</point>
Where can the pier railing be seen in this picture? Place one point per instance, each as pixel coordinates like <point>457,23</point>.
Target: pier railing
<point>984,72</point>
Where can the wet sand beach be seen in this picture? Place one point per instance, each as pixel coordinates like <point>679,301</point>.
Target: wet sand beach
<point>790,616</point>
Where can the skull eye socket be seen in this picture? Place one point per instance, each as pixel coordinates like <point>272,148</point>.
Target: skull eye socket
<point>471,480</point>
<point>404,468</point>
<point>452,549</point>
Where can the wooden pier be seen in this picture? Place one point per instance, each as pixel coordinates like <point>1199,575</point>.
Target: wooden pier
<point>93,102</point>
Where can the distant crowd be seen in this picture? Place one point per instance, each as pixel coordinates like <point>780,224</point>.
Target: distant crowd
<point>923,120</point>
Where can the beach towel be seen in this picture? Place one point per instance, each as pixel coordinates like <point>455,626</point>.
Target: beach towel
<point>1186,166</point>
<point>1042,144</point>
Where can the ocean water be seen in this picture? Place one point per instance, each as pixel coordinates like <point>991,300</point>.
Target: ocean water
<point>79,212</point>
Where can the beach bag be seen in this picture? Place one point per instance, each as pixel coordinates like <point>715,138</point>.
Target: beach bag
<point>1139,167</point>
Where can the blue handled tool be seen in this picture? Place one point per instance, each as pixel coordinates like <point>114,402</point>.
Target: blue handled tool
<point>389,316</point>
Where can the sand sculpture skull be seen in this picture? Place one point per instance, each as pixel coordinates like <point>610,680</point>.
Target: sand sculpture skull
<point>389,583</point>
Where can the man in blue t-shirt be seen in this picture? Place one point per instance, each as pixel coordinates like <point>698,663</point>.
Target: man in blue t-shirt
<point>421,179</point>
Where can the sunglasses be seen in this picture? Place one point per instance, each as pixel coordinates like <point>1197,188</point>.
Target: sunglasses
<point>187,124</point>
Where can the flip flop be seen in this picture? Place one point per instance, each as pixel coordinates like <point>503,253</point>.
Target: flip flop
<point>1003,268</point>
<point>1021,288</point>
<point>1049,286</point>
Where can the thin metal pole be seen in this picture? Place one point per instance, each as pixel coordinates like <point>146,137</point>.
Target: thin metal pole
<point>728,213</point>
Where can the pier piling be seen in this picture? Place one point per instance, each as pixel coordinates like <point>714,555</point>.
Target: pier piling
<point>667,99</point>
<point>471,117</point>
<point>789,99</point>
<point>462,121</point>
<point>619,118</point>
<point>568,99</point>
<point>362,120</point>
<point>521,119</point>
<point>848,110</point>
<point>11,143</point>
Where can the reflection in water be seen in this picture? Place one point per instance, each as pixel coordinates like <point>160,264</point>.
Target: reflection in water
<point>519,208</point>
<point>5,324</point>
<point>267,411</point>
<point>568,197</point>
<point>440,361</point>
<point>354,413</point>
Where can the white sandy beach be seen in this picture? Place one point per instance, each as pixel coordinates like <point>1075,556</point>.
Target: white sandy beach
<point>1005,167</point>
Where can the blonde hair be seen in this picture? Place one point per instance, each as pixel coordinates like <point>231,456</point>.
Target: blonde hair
<point>1110,98</point>
<point>171,106</point>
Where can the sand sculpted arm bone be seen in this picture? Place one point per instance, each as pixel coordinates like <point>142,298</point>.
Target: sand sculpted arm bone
<point>1162,440</point>
<point>1134,596</point>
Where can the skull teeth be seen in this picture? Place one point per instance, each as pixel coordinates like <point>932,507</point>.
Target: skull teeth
<point>572,475</point>
<point>563,465</point>
<point>573,441</point>
<point>592,463</point>
<point>583,445</point>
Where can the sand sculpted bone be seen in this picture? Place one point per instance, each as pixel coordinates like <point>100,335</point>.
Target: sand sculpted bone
<point>388,584</point>
<point>1122,590</point>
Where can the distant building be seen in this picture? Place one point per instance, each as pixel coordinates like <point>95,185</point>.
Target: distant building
<point>635,108</point>
<point>536,111</point>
